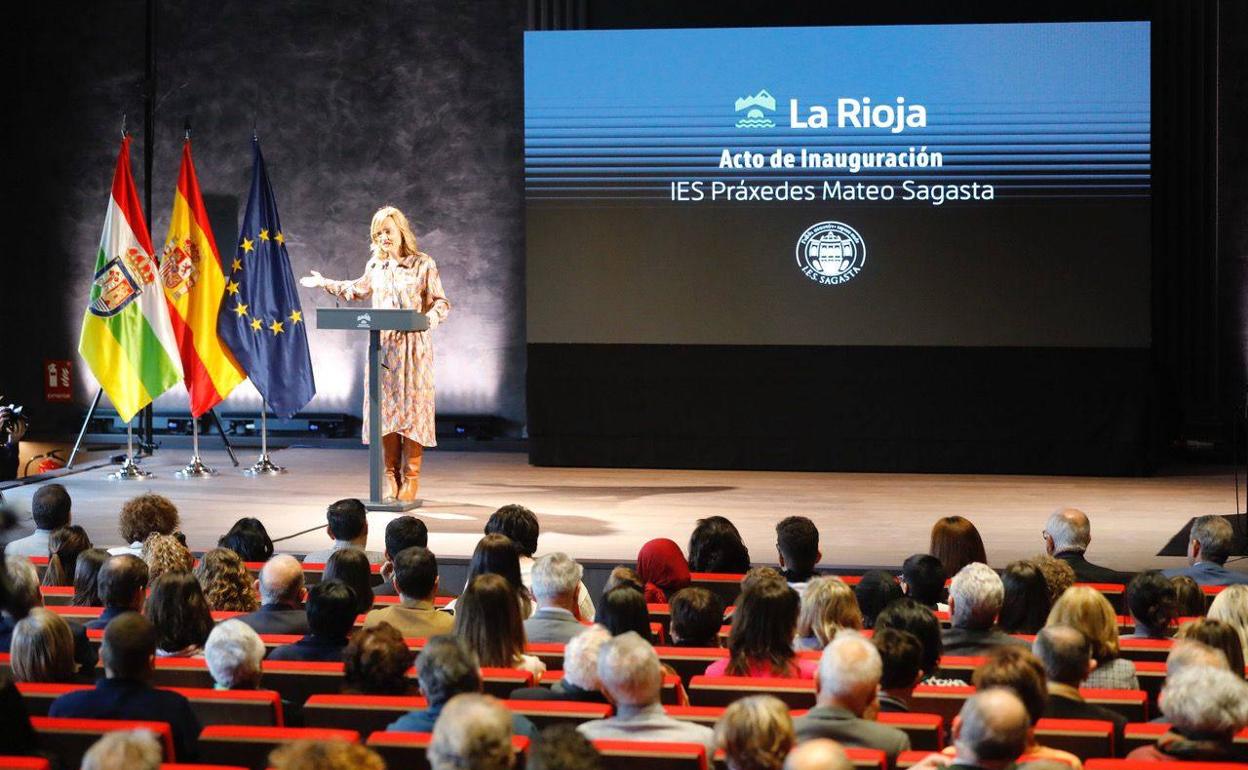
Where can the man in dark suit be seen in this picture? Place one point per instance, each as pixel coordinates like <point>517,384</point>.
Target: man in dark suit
<point>281,598</point>
<point>1207,551</point>
<point>23,596</point>
<point>556,579</point>
<point>331,614</point>
<point>122,585</point>
<point>401,533</point>
<point>975,597</point>
<point>990,732</point>
<point>1067,535</point>
<point>1067,659</point>
<point>129,652</point>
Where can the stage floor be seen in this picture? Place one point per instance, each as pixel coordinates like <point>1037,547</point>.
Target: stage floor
<point>864,519</point>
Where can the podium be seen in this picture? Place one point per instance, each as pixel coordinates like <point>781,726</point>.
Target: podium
<point>374,321</point>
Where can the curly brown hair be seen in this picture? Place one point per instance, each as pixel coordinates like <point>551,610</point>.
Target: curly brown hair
<point>226,582</point>
<point>145,514</point>
<point>165,553</point>
<point>1058,575</point>
<point>376,661</point>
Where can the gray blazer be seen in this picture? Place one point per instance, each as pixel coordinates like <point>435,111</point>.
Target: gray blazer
<point>1206,573</point>
<point>552,624</point>
<point>842,726</point>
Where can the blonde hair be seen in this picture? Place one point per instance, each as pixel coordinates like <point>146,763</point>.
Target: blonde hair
<point>43,648</point>
<point>828,605</point>
<point>324,755</point>
<point>129,749</point>
<point>756,732</point>
<point>1088,611</point>
<point>165,553</point>
<point>407,247</point>
<point>1231,607</point>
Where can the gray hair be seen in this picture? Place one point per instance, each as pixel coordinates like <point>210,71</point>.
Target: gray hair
<point>123,750</point>
<point>281,580</point>
<point>234,654</point>
<point>849,665</point>
<point>23,585</point>
<point>473,732</point>
<point>555,575</point>
<point>580,657</point>
<point>1205,700</point>
<point>995,725</point>
<point>976,593</point>
<point>447,667</point>
<point>629,670</point>
<point>1070,530</point>
<point>1214,535</point>
<point>817,754</point>
<point>1189,653</point>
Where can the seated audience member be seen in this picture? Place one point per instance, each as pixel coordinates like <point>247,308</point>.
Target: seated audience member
<point>1088,611</point>
<point>817,754</point>
<point>326,755</point>
<point>975,598</point>
<point>24,596</point>
<point>623,609</point>
<point>476,735</point>
<point>401,533</point>
<point>416,581</point>
<point>1188,598</point>
<point>50,507</point>
<point>226,582</point>
<point>447,668</point>
<point>716,546</point>
<point>249,539</point>
<point>991,731</point>
<point>901,656</point>
<point>828,605</point>
<point>235,655</point>
<point>140,517</point>
<point>124,750</point>
<point>1025,603</point>
<point>580,671</point>
<point>1067,534</point>
<point>64,546</point>
<point>1218,635</point>
<point>1207,551</point>
<point>845,692</point>
<point>519,524</point>
<point>662,569</point>
<point>488,619</point>
<point>1152,601</point>
<point>180,614</point>
<point>375,662</point>
<point>1015,668</point>
<point>1205,707</point>
<point>42,650</point>
<point>623,576</point>
<point>281,591</point>
<point>331,615</point>
<point>632,678</point>
<point>347,527</point>
<point>797,543</point>
<point>1231,607</point>
<point>756,733</point>
<point>1067,660</point>
<point>122,585</point>
<point>956,543</point>
<point>923,579</point>
<point>1058,575</point>
<point>86,578</point>
<point>697,615</point>
<point>561,747</point>
<point>1190,653</point>
<point>917,619</point>
<point>128,651</point>
<point>497,554</point>
<point>165,553</point>
<point>875,590</point>
<point>555,579</point>
<point>351,566</point>
<point>761,640</point>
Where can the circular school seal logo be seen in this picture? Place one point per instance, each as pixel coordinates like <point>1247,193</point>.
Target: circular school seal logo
<point>830,253</point>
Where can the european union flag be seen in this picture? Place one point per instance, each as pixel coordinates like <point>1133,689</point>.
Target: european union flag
<point>261,319</point>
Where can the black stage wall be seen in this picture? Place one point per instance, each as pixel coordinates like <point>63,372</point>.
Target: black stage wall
<point>992,409</point>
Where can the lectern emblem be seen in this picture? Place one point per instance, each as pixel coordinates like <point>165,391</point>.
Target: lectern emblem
<point>831,253</point>
<point>364,321</point>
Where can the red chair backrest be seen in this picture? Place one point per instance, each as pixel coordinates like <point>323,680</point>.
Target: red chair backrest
<point>945,701</point>
<point>1082,737</point>
<point>363,713</point>
<point>703,715</point>
<point>1140,764</point>
<point>407,750</point>
<point>654,755</point>
<point>689,662</point>
<point>1132,704</point>
<point>926,731</point>
<point>723,690</point>
<point>249,746</point>
<point>70,738</point>
<point>867,759</point>
<point>1137,734</point>
<point>24,763</point>
<point>671,694</point>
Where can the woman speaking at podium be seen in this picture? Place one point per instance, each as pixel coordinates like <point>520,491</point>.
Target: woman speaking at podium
<point>398,275</point>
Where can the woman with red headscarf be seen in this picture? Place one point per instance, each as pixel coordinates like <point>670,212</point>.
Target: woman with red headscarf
<point>662,567</point>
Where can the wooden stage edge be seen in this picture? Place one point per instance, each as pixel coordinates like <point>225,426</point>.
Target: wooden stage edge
<point>591,513</point>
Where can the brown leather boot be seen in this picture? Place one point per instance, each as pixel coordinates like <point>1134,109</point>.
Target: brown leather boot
<point>415,453</point>
<point>391,465</point>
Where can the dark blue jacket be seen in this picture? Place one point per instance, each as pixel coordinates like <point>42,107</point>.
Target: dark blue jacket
<point>108,614</point>
<point>132,699</point>
<point>311,647</point>
<point>423,721</point>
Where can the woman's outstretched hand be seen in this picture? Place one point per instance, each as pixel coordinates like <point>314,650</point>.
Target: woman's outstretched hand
<point>314,281</point>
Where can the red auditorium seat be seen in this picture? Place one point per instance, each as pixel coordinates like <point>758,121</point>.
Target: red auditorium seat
<point>959,666</point>
<point>1082,737</point>
<point>672,693</point>
<point>362,713</point>
<point>544,713</point>
<point>945,701</point>
<point>1152,675</point>
<point>1132,704</point>
<point>926,731</point>
<point>70,738</point>
<point>653,755</point>
<point>1139,734</point>
<point>407,750</point>
<point>212,707</point>
<point>57,596</point>
<point>24,763</point>
<point>689,662</point>
<point>703,715</point>
<point>548,652</point>
<point>1116,593</point>
<point>249,746</point>
<point>1145,649</point>
<point>722,690</point>
<point>725,585</point>
<point>866,759</point>
<point>1136,764</point>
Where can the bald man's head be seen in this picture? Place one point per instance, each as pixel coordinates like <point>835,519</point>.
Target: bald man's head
<point>1068,529</point>
<point>819,754</point>
<point>993,727</point>
<point>281,580</point>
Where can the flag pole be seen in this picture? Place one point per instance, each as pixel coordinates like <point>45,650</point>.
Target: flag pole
<point>264,466</point>
<point>129,470</point>
<point>195,469</point>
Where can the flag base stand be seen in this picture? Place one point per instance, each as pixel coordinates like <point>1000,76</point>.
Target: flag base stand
<point>264,467</point>
<point>195,469</point>
<point>129,470</point>
<point>392,505</point>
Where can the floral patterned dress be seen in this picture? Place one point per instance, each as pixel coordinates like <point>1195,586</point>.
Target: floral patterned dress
<point>411,282</point>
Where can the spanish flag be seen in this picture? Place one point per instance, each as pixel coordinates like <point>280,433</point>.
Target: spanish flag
<point>194,281</point>
<point>126,339</point>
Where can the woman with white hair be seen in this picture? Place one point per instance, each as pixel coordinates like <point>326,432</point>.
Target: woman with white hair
<point>399,276</point>
<point>234,654</point>
<point>580,671</point>
<point>1205,707</point>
